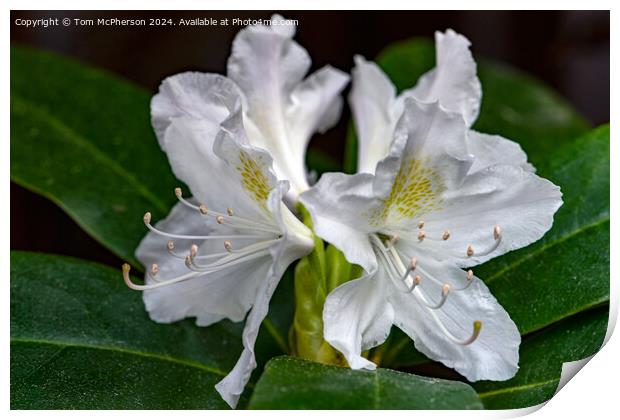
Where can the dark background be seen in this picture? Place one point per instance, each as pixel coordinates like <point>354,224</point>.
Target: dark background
<point>569,50</point>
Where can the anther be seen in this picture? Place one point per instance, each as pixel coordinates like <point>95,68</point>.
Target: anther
<point>220,219</point>
<point>178,192</point>
<point>421,235</point>
<point>420,224</point>
<point>416,282</point>
<point>203,209</point>
<point>170,245</point>
<point>188,261</point>
<point>497,232</point>
<point>394,239</point>
<point>147,217</point>
<point>470,275</point>
<point>446,235</point>
<point>470,250</point>
<point>413,264</point>
<point>154,269</point>
<point>445,289</point>
<point>475,334</point>
<point>228,246</point>
<point>230,211</point>
<point>193,250</point>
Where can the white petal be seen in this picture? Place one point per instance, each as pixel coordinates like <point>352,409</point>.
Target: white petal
<point>494,355</point>
<point>428,156</point>
<point>340,206</point>
<point>203,96</point>
<point>489,150</point>
<point>282,110</point>
<point>231,387</point>
<point>356,317</point>
<point>375,113</point>
<point>453,81</point>
<point>521,203</point>
<point>209,298</point>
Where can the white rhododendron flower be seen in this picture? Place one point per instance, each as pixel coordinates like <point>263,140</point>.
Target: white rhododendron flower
<point>433,206</point>
<point>281,109</point>
<point>453,82</point>
<point>223,252</point>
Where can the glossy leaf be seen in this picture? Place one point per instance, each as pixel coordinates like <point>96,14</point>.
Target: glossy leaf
<point>514,105</point>
<point>290,383</point>
<point>567,271</point>
<point>541,358</point>
<point>81,339</point>
<point>83,138</point>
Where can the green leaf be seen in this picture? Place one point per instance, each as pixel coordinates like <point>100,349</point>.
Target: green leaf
<point>567,271</point>
<point>541,358</point>
<point>81,339</point>
<point>290,383</point>
<point>514,105</point>
<point>82,138</point>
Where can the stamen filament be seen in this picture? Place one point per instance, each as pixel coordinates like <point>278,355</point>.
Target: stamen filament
<point>132,285</point>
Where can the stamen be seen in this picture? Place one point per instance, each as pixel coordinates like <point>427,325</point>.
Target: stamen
<point>132,285</point>
<point>412,266</point>
<point>230,211</point>
<point>445,290</point>
<point>446,235</point>
<point>470,250</point>
<point>421,236</point>
<point>497,233</point>
<point>470,277</point>
<point>416,282</point>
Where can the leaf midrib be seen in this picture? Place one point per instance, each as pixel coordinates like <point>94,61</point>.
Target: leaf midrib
<point>518,388</point>
<point>69,134</point>
<point>132,352</point>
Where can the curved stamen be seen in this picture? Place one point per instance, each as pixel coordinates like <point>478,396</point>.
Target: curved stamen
<point>445,290</point>
<point>474,335</point>
<point>470,278</point>
<point>212,268</point>
<point>233,221</point>
<point>134,286</point>
<point>147,223</point>
<point>427,274</point>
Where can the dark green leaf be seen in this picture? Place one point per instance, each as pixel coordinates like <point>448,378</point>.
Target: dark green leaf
<point>514,105</point>
<point>290,383</point>
<point>567,271</point>
<point>82,138</point>
<point>541,358</point>
<point>81,339</point>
